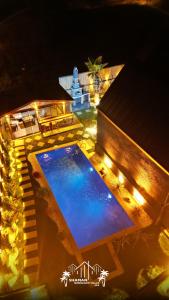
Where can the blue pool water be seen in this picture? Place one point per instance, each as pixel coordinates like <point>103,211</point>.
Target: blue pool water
<point>89,208</point>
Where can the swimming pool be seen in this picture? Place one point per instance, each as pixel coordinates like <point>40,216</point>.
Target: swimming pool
<point>90,210</point>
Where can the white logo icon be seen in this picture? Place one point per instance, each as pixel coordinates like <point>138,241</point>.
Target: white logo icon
<point>85,274</point>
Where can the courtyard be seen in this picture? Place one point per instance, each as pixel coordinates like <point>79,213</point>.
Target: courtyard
<point>46,236</point>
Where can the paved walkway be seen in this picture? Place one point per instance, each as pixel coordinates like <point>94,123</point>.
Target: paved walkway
<point>23,147</point>
<point>31,261</point>
<point>31,144</point>
<point>38,142</point>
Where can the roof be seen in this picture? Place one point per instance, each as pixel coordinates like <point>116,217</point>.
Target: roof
<point>31,91</point>
<point>137,102</point>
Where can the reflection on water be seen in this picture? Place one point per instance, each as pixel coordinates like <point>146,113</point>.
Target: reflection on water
<point>89,208</point>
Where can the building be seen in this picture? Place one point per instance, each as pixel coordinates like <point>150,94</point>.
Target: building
<point>132,128</point>
<point>82,89</point>
<point>43,108</point>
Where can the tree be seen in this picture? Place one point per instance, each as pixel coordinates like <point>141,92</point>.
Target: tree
<point>147,274</point>
<point>95,66</point>
<point>122,242</point>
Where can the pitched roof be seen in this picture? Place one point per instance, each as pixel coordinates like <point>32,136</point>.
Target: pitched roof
<point>137,103</point>
<point>25,93</point>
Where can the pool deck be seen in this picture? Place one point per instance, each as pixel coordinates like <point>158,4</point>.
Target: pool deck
<point>56,215</point>
<point>50,248</point>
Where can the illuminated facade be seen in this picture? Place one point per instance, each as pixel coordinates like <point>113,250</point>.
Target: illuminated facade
<point>35,116</point>
<point>135,142</point>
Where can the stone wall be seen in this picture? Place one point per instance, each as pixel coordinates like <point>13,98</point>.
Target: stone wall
<point>148,177</point>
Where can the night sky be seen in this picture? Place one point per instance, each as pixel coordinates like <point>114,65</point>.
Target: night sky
<point>49,40</point>
<point>8,7</point>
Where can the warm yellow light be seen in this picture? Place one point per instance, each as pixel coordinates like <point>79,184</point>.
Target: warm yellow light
<point>108,161</point>
<point>163,240</point>
<point>139,198</point>
<point>107,76</point>
<point>35,106</point>
<point>121,178</point>
<point>96,99</point>
<point>162,288</point>
<point>143,180</point>
<point>92,130</point>
<point>166,231</point>
<point>7,118</point>
<point>26,279</point>
<point>91,80</point>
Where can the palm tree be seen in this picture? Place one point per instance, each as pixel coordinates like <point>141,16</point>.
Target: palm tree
<point>121,243</point>
<point>142,236</point>
<point>65,277</point>
<point>102,277</point>
<point>95,66</point>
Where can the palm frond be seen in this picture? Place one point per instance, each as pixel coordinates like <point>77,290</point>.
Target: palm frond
<point>98,60</point>
<point>104,65</point>
<point>96,65</point>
